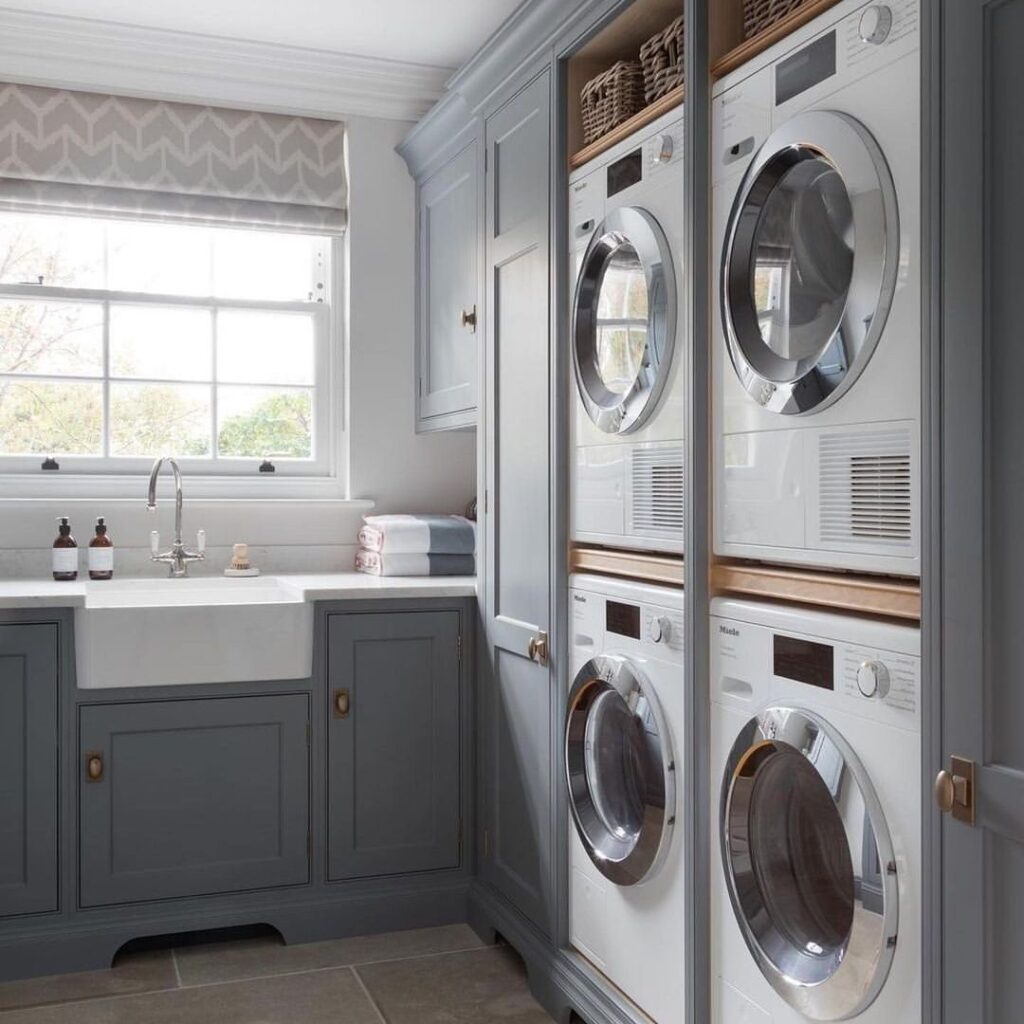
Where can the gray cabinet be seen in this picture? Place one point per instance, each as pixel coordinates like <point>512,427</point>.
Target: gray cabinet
<point>28,768</point>
<point>519,694</point>
<point>448,286</point>
<point>193,797</point>
<point>394,682</point>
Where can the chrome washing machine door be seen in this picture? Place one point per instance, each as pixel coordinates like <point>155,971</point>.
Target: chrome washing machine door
<point>809,263</point>
<point>809,864</point>
<point>624,320</point>
<point>620,770</point>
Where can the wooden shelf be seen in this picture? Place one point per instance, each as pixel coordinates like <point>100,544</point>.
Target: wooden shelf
<point>728,34</point>
<point>868,595</point>
<point>624,130</point>
<point>636,565</point>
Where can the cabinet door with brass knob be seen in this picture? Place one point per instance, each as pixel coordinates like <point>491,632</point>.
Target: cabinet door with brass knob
<point>448,286</point>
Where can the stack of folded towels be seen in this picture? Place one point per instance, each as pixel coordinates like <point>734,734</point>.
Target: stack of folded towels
<point>417,546</point>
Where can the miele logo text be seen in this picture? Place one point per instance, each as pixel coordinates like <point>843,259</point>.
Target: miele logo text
<point>729,630</point>
<point>580,598</point>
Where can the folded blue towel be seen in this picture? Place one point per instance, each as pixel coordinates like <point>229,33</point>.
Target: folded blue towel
<point>379,563</point>
<point>418,535</point>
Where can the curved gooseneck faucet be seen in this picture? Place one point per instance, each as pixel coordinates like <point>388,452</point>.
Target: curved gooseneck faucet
<point>177,557</point>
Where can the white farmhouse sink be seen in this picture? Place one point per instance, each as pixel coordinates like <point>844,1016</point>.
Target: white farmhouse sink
<point>172,632</point>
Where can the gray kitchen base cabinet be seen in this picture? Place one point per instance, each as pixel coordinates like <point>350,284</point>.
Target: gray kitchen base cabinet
<point>393,784</point>
<point>193,797</point>
<point>29,684</point>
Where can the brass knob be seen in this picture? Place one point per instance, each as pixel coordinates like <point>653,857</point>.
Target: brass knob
<point>94,767</point>
<point>537,648</point>
<point>945,791</point>
<point>342,703</point>
<point>468,318</point>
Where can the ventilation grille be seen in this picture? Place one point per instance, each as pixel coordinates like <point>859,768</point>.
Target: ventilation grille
<point>866,488</point>
<point>657,506</point>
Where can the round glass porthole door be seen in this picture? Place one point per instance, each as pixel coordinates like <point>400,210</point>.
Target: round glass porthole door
<point>624,321</point>
<point>809,263</point>
<point>808,864</point>
<point>620,771</point>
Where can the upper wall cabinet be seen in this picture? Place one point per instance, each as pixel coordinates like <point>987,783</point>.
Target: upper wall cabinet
<point>448,286</point>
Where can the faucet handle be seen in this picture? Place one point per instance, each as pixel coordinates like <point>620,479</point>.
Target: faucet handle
<point>201,541</point>
<point>154,542</point>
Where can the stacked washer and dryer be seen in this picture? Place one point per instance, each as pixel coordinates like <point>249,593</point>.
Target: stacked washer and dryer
<point>815,716</point>
<point>624,714</point>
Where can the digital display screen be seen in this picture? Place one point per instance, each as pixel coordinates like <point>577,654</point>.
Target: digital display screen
<point>623,619</point>
<point>807,67</point>
<point>625,172</point>
<point>804,662</point>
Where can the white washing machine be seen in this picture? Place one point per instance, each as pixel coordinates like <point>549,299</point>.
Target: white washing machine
<point>816,853</point>
<point>817,338</point>
<point>623,743</point>
<point>626,231</point>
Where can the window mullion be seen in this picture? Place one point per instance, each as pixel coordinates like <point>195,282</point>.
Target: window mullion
<point>106,378</point>
<point>214,327</point>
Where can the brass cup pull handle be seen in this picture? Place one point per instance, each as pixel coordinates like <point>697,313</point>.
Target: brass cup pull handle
<point>342,703</point>
<point>94,767</point>
<point>468,318</point>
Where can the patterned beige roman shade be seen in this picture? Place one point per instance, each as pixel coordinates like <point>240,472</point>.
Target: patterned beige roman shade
<point>77,151</point>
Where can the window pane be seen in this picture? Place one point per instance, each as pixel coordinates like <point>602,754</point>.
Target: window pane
<point>51,337</point>
<point>264,265</point>
<point>163,258</point>
<point>259,422</point>
<point>50,417</point>
<point>265,348</point>
<point>65,252</point>
<point>162,343</point>
<point>159,419</point>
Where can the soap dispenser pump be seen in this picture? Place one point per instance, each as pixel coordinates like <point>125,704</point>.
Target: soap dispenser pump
<point>101,553</point>
<point>65,553</point>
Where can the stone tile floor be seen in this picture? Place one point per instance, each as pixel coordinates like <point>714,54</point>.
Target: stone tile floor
<point>426,976</point>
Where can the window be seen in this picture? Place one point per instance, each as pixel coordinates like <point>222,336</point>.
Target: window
<point>124,340</point>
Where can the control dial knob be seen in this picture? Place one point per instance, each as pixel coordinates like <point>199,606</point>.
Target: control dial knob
<point>875,24</point>
<point>661,629</point>
<point>664,147</point>
<point>873,679</point>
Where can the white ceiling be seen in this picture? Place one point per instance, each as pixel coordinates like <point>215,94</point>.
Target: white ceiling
<point>443,33</point>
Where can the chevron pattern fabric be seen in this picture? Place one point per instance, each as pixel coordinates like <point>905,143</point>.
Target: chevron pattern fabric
<point>212,161</point>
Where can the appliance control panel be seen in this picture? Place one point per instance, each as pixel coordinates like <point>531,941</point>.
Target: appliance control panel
<point>880,675</point>
<point>878,25</point>
<point>624,623</point>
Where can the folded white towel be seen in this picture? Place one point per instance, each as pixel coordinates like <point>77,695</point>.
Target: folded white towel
<point>420,535</point>
<point>379,563</point>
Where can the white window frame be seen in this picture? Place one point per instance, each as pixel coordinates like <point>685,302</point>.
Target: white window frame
<point>323,476</point>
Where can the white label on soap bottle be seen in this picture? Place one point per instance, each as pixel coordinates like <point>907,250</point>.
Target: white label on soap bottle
<point>101,559</point>
<point>65,560</point>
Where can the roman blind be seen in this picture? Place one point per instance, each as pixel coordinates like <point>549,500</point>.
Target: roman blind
<point>69,151</point>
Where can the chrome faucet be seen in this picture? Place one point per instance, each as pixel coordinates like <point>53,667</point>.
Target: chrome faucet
<point>177,557</point>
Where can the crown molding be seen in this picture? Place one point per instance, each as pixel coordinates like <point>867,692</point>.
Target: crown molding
<point>103,56</point>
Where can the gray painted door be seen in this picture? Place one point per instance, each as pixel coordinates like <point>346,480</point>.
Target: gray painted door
<point>448,279</point>
<point>28,768</point>
<point>517,811</point>
<point>393,783</point>
<point>981,475</point>
<point>193,797</point>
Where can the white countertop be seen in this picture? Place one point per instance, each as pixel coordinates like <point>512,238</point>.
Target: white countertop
<point>314,586</point>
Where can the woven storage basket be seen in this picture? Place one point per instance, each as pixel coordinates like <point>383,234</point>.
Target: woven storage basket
<point>609,99</point>
<point>662,60</point>
<point>759,15</point>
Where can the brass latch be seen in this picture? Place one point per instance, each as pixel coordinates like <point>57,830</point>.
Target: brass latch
<point>954,789</point>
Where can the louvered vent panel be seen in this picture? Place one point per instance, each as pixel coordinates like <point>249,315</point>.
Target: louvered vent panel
<point>865,488</point>
<point>658,491</point>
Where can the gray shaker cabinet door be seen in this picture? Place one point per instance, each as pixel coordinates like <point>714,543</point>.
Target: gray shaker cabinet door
<point>28,768</point>
<point>448,287</point>
<point>516,696</point>
<point>193,797</point>
<point>393,736</point>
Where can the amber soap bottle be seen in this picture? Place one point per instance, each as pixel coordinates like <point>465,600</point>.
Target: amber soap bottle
<point>65,553</point>
<point>101,553</point>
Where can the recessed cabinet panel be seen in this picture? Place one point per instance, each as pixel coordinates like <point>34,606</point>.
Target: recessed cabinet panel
<point>393,735</point>
<point>193,797</point>
<point>28,768</point>
<point>448,284</point>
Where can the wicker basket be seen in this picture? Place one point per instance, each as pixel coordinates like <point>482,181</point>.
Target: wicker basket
<point>662,60</point>
<point>759,15</point>
<point>609,99</point>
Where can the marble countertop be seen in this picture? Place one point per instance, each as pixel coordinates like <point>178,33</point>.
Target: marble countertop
<point>333,586</point>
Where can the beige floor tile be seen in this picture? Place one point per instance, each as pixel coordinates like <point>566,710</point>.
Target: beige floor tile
<point>133,973</point>
<point>322,997</point>
<point>486,986</point>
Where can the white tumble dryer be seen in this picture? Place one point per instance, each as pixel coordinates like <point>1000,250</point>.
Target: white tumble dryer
<point>626,233</point>
<point>816,817</point>
<point>623,745</point>
<point>816,342</point>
